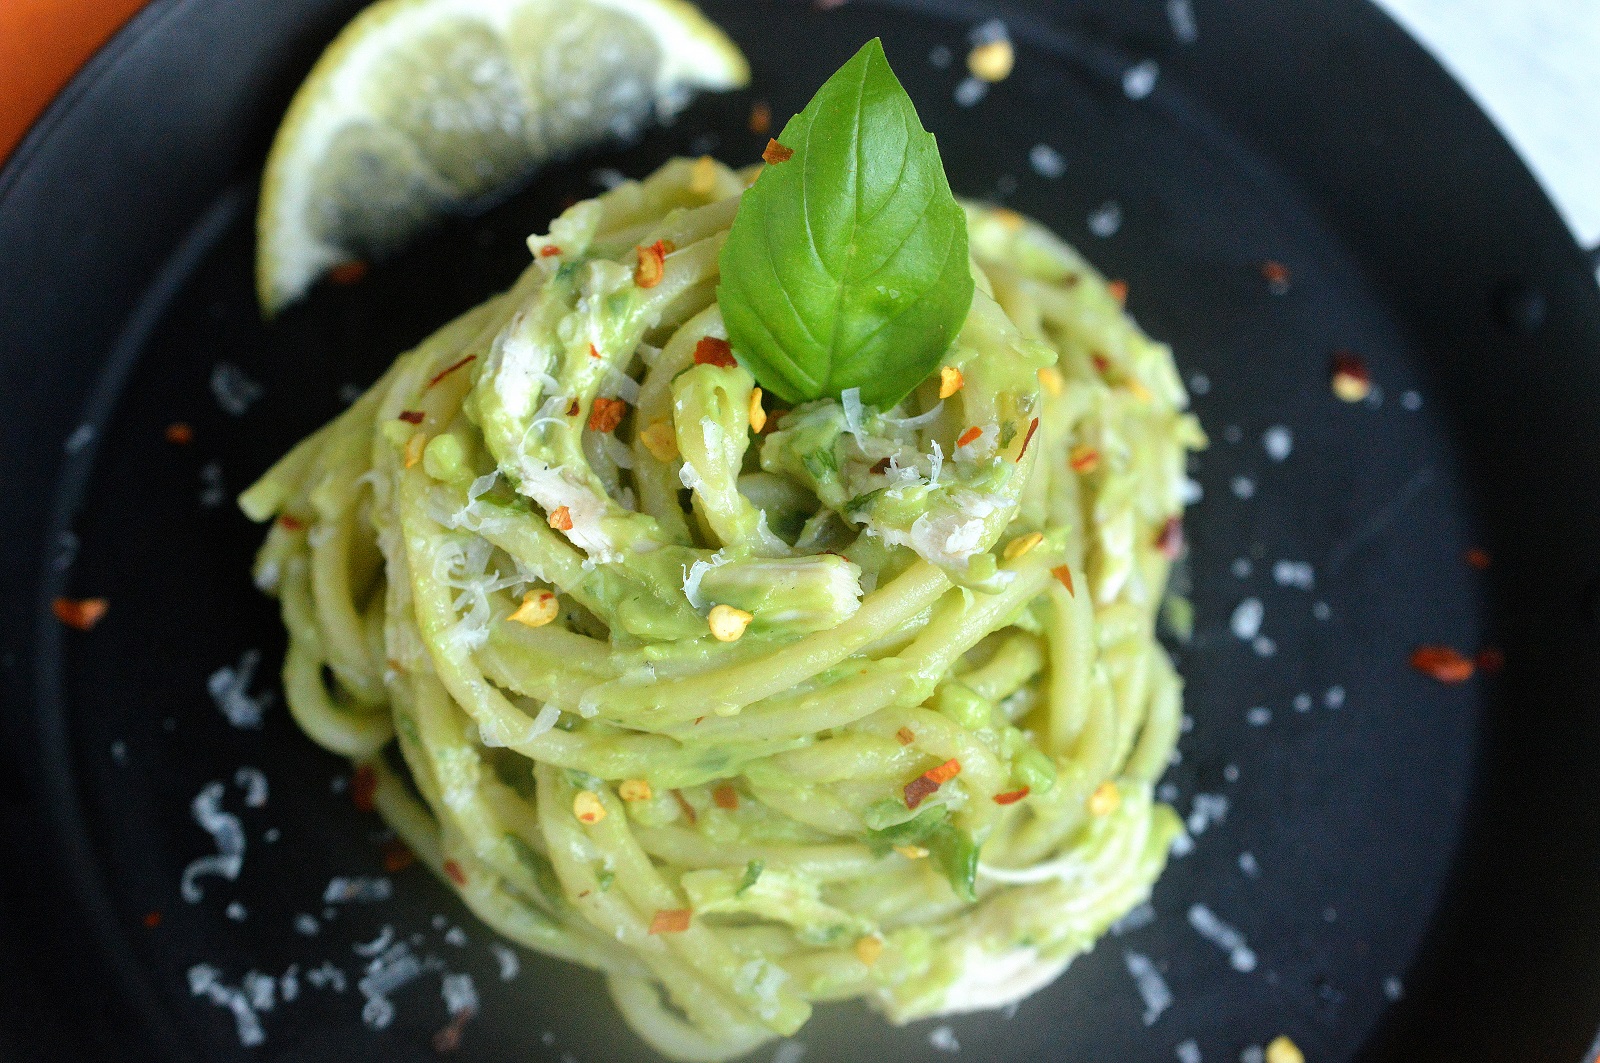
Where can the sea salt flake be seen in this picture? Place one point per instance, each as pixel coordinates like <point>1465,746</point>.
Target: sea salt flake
<point>1259,716</point>
<point>236,912</point>
<point>1047,161</point>
<point>1136,918</point>
<point>81,437</point>
<point>306,925</point>
<point>213,491</point>
<point>226,833</point>
<point>1333,698</point>
<point>1206,810</point>
<point>1200,384</point>
<point>205,981</point>
<point>940,56</point>
<point>1153,989</point>
<point>1106,219</point>
<point>970,91</point>
<point>1392,989</point>
<point>1139,80</point>
<point>1241,567</point>
<point>1297,574</point>
<point>1225,937</point>
<point>943,1039</point>
<point>234,391</point>
<point>1245,623</point>
<point>358,889</point>
<point>1243,487</point>
<point>1180,16</point>
<point>1187,1051</point>
<point>230,690</point>
<point>789,1052</point>
<point>1278,442</point>
<point>1264,646</point>
<point>509,963</point>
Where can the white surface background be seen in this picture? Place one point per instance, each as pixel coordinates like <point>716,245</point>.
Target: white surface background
<point>1534,66</point>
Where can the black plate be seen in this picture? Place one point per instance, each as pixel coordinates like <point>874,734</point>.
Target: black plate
<point>1428,857</point>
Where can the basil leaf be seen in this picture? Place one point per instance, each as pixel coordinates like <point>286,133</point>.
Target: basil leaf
<point>847,263</point>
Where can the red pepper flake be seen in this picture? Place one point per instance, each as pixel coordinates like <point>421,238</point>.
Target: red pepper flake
<point>606,414</point>
<point>1033,426</point>
<point>572,411</point>
<point>906,736</point>
<point>290,522</point>
<point>179,434</point>
<point>880,467</point>
<point>1349,376</point>
<point>919,789</point>
<point>152,920</point>
<point>760,118</point>
<point>1491,660</point>
<point>652,265</point>
<point>1170,541</point>
<point>549,251</point>
<point>79,613</point>
<point>712,351</point>
<point>448,1038</point>
<point>397,856</point>
<point>725,797</point>
<point>347,273</point>
<point>1276,275</point>
<point>1442,663</point>
<point>1064,574</point>
<point>1478,558</point>
<point>670,921</point>
<point>594,352</point>
<point>458,876</point>
<point>944,772</point>
<point>1119,291</point>
<point>441,374</point>
<point>968,436</point>
<point>1084,459</point>
<point>683,803</point>
<point>776,153</point>
<point>412,416</point>
<point>561,519</point>
<point>1101,363</point>
<point>1011,797</point>
<point>363,786</point>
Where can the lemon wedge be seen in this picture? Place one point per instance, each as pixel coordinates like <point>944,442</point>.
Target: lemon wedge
<point>427,107</point>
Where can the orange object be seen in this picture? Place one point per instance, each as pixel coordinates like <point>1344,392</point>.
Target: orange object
<point>1443,663</point>
<point>42,44</point>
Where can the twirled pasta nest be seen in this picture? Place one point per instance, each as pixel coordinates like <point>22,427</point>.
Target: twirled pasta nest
<point>752,708</point>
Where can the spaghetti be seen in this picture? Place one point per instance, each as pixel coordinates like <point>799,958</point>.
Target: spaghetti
<point>746,708</point>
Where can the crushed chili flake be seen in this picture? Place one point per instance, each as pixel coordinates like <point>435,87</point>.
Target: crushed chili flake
<point>363,787</point>
<point>1011,797</point>
<point>906,736</point>
<point>1349,376</point>
<point>1033,426</point>
<point>549,251</point>
<point>1443,663</point>
<point>760,118</point>
<point>776,153</point>
<point>880,467</point>
<point>683,803</point>
<point>606,414</point>
<point>397,856</point>
<point>350,272</point>
<point>725,797</point>
<point>448,1038</point>
<point>152,920</point>
<point>670,921</point>
<point>179,434</point>
<point>1119,291</point>
<point>1491,660</point>
<point>290,522</point>
<point>412,416</point>
<point>79,613</point>
<point>652,265</point>
<point>1084,458</point>
<point>1276,275</point>
<point>1478,558</point>
<point>1101,363</point>
<point>594,352</point>
<point>944,772</point>
<point>561,519</point>
<point>447,370</point>
<point>968,436</point>
<point>1170,541</point>
<point>458,876</point>
<point>713,351</point>
<point>1064,574</point>
<point>572,411</point>
<point>919,790</point>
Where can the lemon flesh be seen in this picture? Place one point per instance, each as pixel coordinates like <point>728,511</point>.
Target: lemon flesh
<point>421,108</point>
